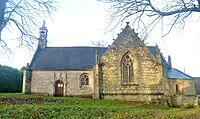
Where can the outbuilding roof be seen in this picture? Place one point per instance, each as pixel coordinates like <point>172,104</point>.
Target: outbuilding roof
<point>175,73</point>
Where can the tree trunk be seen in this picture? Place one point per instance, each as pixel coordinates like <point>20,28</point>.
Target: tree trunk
<point>2,12</point>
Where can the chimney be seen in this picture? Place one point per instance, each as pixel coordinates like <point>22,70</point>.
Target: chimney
<point>169,62</point>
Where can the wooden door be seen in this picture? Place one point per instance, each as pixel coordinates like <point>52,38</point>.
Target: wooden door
<point>59,88</point>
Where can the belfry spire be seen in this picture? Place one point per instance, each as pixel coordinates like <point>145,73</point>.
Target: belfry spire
<point>43,36</point>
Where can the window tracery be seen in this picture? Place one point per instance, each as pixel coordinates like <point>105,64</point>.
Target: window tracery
<point>127,69</point>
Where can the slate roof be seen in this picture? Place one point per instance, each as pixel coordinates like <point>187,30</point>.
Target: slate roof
<point>80,58</point>
<point>163,61</point>
<point>60,58</point>
<point>167,71</point>
<point>175,73</point>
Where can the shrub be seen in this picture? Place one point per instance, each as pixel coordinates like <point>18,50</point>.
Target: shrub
<point>11,79</point>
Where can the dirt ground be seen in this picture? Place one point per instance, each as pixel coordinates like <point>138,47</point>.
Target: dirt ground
<point>17,100</point>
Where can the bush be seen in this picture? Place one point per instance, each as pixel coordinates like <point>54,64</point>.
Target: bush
<point>11,79</point>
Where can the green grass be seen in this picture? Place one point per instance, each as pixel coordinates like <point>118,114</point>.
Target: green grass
<point>21,106</point>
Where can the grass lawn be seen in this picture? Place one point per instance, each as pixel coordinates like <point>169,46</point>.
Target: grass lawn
<point>20,106</point>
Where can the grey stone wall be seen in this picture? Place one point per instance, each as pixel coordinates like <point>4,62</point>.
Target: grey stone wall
<point>43,82</point>
<point>197,84</point>
<point>147,73</point>
<point>26,86</point>
<point>183,96</point>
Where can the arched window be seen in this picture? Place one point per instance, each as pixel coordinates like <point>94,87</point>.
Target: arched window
<point>127,69</point>
<point>84,79</point>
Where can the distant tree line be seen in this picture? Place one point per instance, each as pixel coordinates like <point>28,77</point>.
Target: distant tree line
<point>10,80</point>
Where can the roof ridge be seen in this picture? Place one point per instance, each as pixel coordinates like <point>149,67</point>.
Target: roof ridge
<point>75,47</point>
<point>151,46</point>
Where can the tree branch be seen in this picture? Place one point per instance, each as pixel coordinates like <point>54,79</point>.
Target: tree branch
<point>24,16</point>
<point>147,12</point>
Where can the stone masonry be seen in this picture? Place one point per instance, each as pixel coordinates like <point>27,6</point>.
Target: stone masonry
<point>43,82</point>
<point>127,70</point>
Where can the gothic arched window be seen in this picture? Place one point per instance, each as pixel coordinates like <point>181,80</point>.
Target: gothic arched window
<point>127,69</point>
<point>84,79</point>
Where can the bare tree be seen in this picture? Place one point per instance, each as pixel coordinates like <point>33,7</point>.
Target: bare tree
<point>99,43</point>
<point>23,16</point>
<point>148,13</point>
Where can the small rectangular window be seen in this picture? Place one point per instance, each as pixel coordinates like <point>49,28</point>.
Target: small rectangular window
<point>84,79</point>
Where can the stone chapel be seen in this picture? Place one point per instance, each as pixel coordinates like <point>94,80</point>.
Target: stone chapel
<point>126,70</point>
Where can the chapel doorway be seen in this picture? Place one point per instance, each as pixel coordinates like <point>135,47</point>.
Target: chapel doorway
<point>59,89</point>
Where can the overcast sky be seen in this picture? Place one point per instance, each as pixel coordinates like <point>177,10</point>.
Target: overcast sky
<point>77,23</point>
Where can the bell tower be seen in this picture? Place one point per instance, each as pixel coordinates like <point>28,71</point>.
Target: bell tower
<point>42,43</point>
